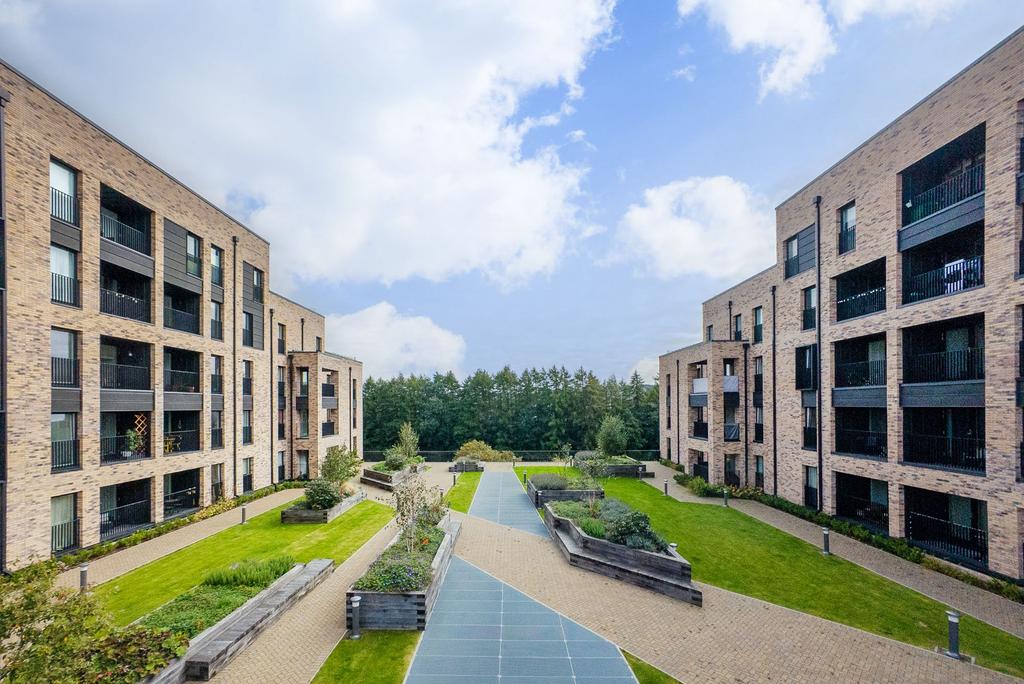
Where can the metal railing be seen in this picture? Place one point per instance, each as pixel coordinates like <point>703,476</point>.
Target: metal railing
<point>247,434</point>
<point>180,320</point>
<point>63,372</point>
<point>731,432</point>
<point>847,240</point>
<point>948,538</point>
<point>946,366</point>
<point>180,502</point>
<point>118,449</point>
<point>861,442</point>
<point>810,318</point>
<point>123,376</point>
<point>792,266</point>
<point>246,483</point>
<point>246,387</point>
<point>327,389</point>
<point>64,289</point>
<point>869,512</point>
<point>954,277</point>
<point>64,455</point>
<point>327,428</point>
<point>216,383</point>
<point>732,479</point>
<point>810,497</point>
<point>806,378</point>
<point>945,194</point>
<point>216,329</point>
<point>701,470</point>
<point>178,441</point>
<point>860,373</point>
<point>216,438</point>
<point>216,492</point>
<point>700,430</point>
<point>180,381</point>
<point>123,234</point>
<point>257,294</point>
<point>217,275</point>
<point>64,206</point>
<point>860,303</point>
<point>123,520</point>
<point>123,305</point>
<point>810,437</point>
<point>280,346</point>
<point>961,453</point>
<point>64,536</point>
<point>758,382</point>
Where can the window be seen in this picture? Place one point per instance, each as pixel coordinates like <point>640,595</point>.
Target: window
<point>280,466</point>
<point>64,441</point>
<point>810,427</point>
<point>193,257</point>
<point>303,382</point>
<point>710,331</point>
<point>303,464</point>
<point>64,526</point>
<point>216,429</point>
<point>280,423</point>
<point>216,374</point>
<point>810,486</point>
<point>737,327</point>
<point>217,265</point>
<point>63,358</point>
<point>63,193</point>
<point>216,482</point>
<point>257,286</point>
<point>355,401</point>
<point>847,228</point>
<point>758,366</point>
<point>758,324</point>
<point>758,423</point>
<point>792,257</point>
<point>247,474</point>
<point>759,472</point>
<point>63,275</point>
<point>216,320</point>
<point>319,343</point>
<point>282,332</point>
<point>247,426</point>
<point>247,327</point>
<point>668,399</point>
<point>246,378</point>
<point>303,423</point>
<point>729,367</point>
<point>807,367</point>
<point>809,297</point>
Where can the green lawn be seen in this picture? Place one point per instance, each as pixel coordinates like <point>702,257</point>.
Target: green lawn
<point>647,674</point>
<point>136,593</point>
<point>734,551</point>
<point>461,495</point>
<point>378,657</point>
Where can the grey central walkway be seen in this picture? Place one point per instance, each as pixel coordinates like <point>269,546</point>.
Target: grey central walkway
<point>501,499</point>
<point>483,631</point>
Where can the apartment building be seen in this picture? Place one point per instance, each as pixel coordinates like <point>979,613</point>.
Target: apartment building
<point>875,371</point>
<point>147,370</point>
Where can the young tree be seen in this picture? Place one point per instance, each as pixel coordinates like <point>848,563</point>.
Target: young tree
<point>611,438</point>
<point>341,464</point>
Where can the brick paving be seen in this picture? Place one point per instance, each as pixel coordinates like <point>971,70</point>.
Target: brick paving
<point>984,605</point>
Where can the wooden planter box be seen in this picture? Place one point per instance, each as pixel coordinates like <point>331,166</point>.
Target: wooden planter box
<point>298,514</point>
<point>386,481</point>
<point>542,496</point>
<point>634,469</point>
<point>410,609</point>
<point>666,573</point>
<point>466,467</point>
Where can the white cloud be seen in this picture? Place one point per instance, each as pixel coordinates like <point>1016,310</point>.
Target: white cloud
<point>687,73</point>
<point>848,12</point>
<point>717,227</point>
<point>389,343</point>
<point>647,367</point>
<point>383,141</point>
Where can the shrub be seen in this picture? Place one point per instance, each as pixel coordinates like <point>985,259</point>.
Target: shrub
<point>549,481</point>
<point>593,527</point>
<point>321,494</point>
<point>393,461</point>
<point>396,574</point>
<point>478,450</point>
<point>250,573</point>
<point>574,510</point>
<point>199,608</point>
<point>341,464</point>
<point>612,510</point>
<point>633,529</point>
<point>611,436</point>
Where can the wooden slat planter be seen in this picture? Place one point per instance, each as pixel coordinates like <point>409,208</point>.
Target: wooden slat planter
<point>466,467</point>
<point>634,469</point>
<point>299,514</point>
<point>666,573</point>
<point>542,496</point>
<point>410,609</point>
<point>386,481</point>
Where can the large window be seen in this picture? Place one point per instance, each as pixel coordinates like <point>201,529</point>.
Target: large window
<point>216,429</point>
<point>247,474</point>
<point>217,265</point>
<point>810,427</point>
<point>64,275</point>
<point>247,426</point>
<point>737,327</point>
<point>63,193</point>
<point>303,423</point>
<point>64,526</point>
<point>792,256</point>
<point>847,228</point>
<point>303,382</point>
<point>303,464</point>
<point>281,337</point>
<point>193,256</point>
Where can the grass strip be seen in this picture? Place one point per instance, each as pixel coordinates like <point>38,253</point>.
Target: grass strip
<point>460,497</point>
<point>377,657</point>
<point>647,674</point>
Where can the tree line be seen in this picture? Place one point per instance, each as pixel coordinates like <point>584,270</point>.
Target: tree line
<point>535,409</point>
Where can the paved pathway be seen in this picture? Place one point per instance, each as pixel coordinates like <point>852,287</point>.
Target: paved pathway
<point>126,560</point>
<point>984,605</point>
<point>501,499</point>
<point>483,631</point>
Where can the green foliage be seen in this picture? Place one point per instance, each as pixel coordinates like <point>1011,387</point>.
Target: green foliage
<point>647,674</point>
<point>593,527</point>
<point>611,437</point>
<point>128,655</point>
<point>321,494</point>
<point>552,481</point>
<point>478,450</point>
<point>633,529</point>
<point>460,497</point>
<point>613,509</point>
<point>199,608</point>
<point>340,465</point>
<point>573,510</point>
<point>405,565</point>
<point>250,573</point>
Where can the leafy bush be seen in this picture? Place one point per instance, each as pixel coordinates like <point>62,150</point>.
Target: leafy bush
<point>250,573</point>
<point>128,655</point>
<point>341,464</point>
<point>396,574</point>
<point>593,527</point>
<point>199,608</point>
<point>393,461</point>
<point>573,510</point>
<point>549,481</point>
<point>321,494</point>
<point>479,450</point>
<point>612,510</point>
<point>611,436</point>
<point>433,509</point>
<point>633,529</point>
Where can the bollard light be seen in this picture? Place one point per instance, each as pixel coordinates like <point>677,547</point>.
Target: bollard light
<point>355,616</point>
<point>243,514</point>
<point>524,476</point>
<point>725,496</point>
<point>83,577</point>
<point>666,487</point>
<point>673,546</point>
<point>454,475</point>
<point>954,634</point>
<point>824,541</point>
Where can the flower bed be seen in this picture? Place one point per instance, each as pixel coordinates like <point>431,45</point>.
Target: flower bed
<point>545,487</point>
<point>611,539</point>
<point>303,514</point>
<point>387,479</point>
<point>624,466</point>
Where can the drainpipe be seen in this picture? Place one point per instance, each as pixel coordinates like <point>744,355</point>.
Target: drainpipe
<point>746,409</point>
<point>351,406</point>
<point>291,419</point>
<point>775,431</point>
<point>817,360</point>
<point>234,364</point>
<point>302,334</point>
<point>273,428</point>
<point>679,446</point>
<point>4,98</point>
<point>729,324</point>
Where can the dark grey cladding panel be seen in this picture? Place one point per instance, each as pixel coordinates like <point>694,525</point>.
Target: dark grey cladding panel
<point>731,399</point>
<point>859,397</point>
<point>65,235</point>
<point>960,215</point>
<point>758,398</point>
<point>808,398</point>
<point>301,402</point>
<point>183,401</point>
<point>332,402</point>
<point>806,249</point>
<point>247,402</point>
<point>217,402</point>
<point>943,394</point>
<point>119,255</point>
<point>247,270</point>
<point>65,400</point>
<point>257,322</point>
<point>699,399</point>
<point>217,293</point>
<point>175,271</point>
<point>126,400</point>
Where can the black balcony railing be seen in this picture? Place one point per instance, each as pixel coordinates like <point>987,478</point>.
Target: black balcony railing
<point>732,479</point>
<point>960,453</point>
<point>792,266</point>
<point>860,304</point>
<point>280,346</point>
<point>810,438</point>
<point>810,318</point>
<point>954,277</point>
<point>216,329</point>
<point>945,194</point>
<point>123,376</point>
<point>860,373</point>
<point>63,372</point>
<point>847,240</point>
<point>216,438</point>
<point>180,320</point>
<point>247,337</point>
<point>125,306</point>
<point>946,366</point>
<point>180,381</point>
<point>247,434</point>
<point>64,455</point>
<point>861,442</point>
<point>758,332</point>
<point>758,432</point>
<point>246,483</point>
<point>731,432</point>
<point>280,473</point>
<point>948,538</point>
<point>123,520</point>
<point>64,536</point>
<point>181,502</point>
<point>257,294</point>
<point>123,234</point>
<point>216,492</point>
<point>193,265</point>
<point>216,383</point>
<point>246,387</point>
<point>280,430</point>
<point>806,378</point>
<point>179,441</point>
<point>327,389</point>
<point>758,382</point>
<point>701,470</point>
<point>863,510</point>
<point>327,428</point>
<point>64,289</point>
<point>123,448</point>
<point>64,206</point>
<point>700,430</point>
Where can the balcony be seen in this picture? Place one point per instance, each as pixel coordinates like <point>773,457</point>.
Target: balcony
<point>945,194</point>
<point>861,442</point>
<point>123,305</point>
<point>124,221</point>
<point>700,386</point>
<point>216,438</point>
<point>955,276</point>
<point>700,430</point>
<point>847,240</point>
<point>792,266</point>
<point>63,372</point>
<point>63,206</point>
<point>731,432</point>
<point>123,448</point>
<point>327,428</point>
<point>958,453</point>
<point>863,500</point>
<point>946,366</point>
<point>861,291</point>
<point>180,381</point>
<point>123,376</point>
<point>810,318</point>
<point>64,289</point>
<point>181,320</point>
<point>246,387</point>
<point>123,234</point>
<point>327,389</point>
<point>124,293</point>
<point>758,432</point>
<point>181,309</point>
<point>951,350</point>
<point>180,441</point>
<point>181,502</point>
<point>65,536</point>
<point>216,383</point>
<point>860,373</point>
<point>123,519</point>
<point>948,538</point>
<point>247,337</point>
<point>758,333</point>
<point>810,438</point>
<point>64,455</point>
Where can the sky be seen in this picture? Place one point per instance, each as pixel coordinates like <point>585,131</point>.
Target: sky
<point>467,184</point>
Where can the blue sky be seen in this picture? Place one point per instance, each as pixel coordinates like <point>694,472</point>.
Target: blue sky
<point>526,183</point>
